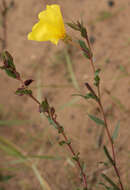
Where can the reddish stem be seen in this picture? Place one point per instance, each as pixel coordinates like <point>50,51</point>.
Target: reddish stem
<point>65,137</point>
<point>105,121</point>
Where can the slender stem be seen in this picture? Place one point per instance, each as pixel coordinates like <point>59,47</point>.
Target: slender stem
<point>91,59</point>
<point>78,162</point>
<point>64,135</point>
<point>112,146</point>
<point>4,24</point>
<point>106,125</point>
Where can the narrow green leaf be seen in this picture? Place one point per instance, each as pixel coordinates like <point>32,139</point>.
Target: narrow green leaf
<point>76,157</point>
<point>11,73</point>
<point>83,45</point>
<point>110,182</point>
<point>22,91</point>
<point>96,120</point>
<point>115,133</point>
<point>83,32</point>
<point>44,106</point>
<point>97,72</point>
<point>52,122</point>
<point>8,59</point>
<point>90,95</point>
<point>97,78</point>
<point>61,143</point>
<point>87,96</point>
<point>73,25</point>
<point>108,155</point>
<point>86,51</point>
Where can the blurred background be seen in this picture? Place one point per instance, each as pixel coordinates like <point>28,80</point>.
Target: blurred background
<point>58,72</point>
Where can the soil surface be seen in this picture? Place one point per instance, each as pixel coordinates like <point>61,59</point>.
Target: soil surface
<point>108,26</point>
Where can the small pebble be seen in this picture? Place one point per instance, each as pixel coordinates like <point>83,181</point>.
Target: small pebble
<point>111,3</point>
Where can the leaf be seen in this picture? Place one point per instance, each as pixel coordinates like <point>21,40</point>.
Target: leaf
<point>28,82</point>
<point>8,59</point>
<point>76,157</point>
<point>61,143</point>
<point>108,155</point>
<point>10,73</point>
<point>86,51</point>
<point>9,66</point>
<point>97,72</point>
<point>110,182</point>
<point>96,120</point>
<point>22,91</point>
<point>44,106</point>
<point>73,25</point>
<point>97,78</point>
<point>115,133</point>
<point>90,95</point>
<point>64,142</point>
<point>83,32</point>
<point>87,96</point>
<point>83,45</point>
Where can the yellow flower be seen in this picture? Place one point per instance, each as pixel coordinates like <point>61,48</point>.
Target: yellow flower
<point>50,26</point>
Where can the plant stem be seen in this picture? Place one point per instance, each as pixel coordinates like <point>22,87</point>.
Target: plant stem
<point>57,126</point>
<point>4,25</point>
<point>112,145</point>
<point>105,121</point>
<point>78,162</point>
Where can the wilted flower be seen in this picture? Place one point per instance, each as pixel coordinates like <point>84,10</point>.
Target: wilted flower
<point>50,26</point>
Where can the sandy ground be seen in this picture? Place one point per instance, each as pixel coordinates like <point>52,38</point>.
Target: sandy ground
<point>109,31</point>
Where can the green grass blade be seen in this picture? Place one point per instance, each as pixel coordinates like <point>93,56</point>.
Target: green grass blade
<point>43,182</point>
<point>10,148</point>
<point>71,72</point>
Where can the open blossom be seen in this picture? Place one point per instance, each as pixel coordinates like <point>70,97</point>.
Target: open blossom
<point>50,26</point>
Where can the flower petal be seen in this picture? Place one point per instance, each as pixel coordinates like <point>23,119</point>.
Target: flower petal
<point>50,27</point>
